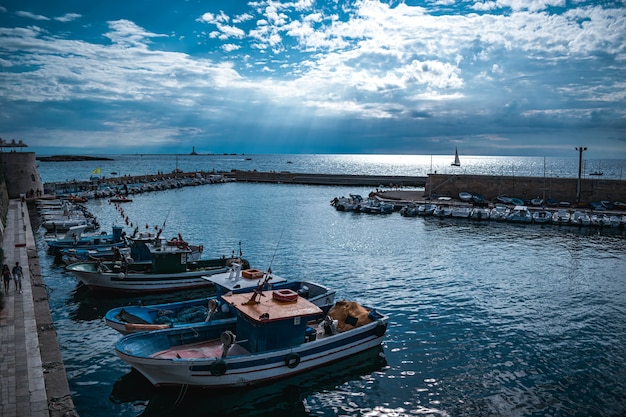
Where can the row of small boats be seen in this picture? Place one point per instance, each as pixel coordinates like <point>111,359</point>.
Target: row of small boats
<point>61,215</point>
<point>258,327</point>
<point>517,214</point>
<point>126,186</point>
<point>356,203</point>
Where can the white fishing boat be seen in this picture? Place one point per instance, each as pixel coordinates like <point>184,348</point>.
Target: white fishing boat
<point>480,213</point>
<point>461,212</point>
<point>499,212</point>
<point>561,216</point>
<point>277,334</point>
<point>465,196</point>
<point>542,216</point>
<point>170,268</point>
<point>519,214</point>
<point>580,218</point>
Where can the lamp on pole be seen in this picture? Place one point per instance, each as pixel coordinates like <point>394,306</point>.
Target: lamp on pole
<point>580,150</point>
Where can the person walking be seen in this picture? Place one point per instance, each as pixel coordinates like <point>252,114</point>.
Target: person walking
<point>6,277</point>
<point>17,276</point>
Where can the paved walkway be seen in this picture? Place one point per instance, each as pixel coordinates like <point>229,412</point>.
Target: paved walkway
<point>27,334</point>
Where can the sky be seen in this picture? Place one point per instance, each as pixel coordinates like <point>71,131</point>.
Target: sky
<point>489,77</point>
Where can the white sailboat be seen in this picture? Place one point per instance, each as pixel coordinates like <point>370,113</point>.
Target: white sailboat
<point>457,162</point>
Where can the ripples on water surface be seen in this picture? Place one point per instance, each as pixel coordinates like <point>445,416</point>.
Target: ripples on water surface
<point>486,319</point>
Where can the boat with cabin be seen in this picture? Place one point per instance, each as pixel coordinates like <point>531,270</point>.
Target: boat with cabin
<point>155,265</point>
<point>130,319</point>
<point>276,334</point>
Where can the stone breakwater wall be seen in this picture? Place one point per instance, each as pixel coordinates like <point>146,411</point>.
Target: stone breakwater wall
<point>560,189</point>
<point>326,179</point>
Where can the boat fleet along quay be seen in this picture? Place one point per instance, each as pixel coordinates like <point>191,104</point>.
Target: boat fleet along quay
<point>98,187</point>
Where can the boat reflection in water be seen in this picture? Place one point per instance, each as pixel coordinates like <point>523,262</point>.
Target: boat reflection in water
<point>283,397</point>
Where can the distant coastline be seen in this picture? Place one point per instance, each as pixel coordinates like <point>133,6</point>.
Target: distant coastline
<point>64,158</point>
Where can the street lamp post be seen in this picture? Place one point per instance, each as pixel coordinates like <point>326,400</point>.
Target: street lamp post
<point>580,150</point>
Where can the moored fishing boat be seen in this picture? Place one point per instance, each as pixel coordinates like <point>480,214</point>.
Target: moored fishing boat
<point>499,212</point>
<point>129,319</point>
<point>480,213</point>
<point>465,196</point>
<point>519,214</point>
<point>270,339</point>
<point>169,268</point>
<point>580,218</point>
<point>561,216</point>
<point>542,216</point>
<point>75,239</point>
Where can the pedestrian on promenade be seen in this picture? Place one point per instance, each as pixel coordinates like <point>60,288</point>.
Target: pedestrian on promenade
<point>17,276</point>
<point>6,277</point>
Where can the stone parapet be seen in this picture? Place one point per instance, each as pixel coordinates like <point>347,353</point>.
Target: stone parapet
<point>560,189</point>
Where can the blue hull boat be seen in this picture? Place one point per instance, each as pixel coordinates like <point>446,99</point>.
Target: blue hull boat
<point>130,319</point>
<point>277,334</point>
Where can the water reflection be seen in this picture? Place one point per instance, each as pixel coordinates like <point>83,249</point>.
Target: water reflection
<point>284,397</point>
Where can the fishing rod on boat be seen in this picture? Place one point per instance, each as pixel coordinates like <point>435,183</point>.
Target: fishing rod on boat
<point>164,221</point>
<point>258,291</point>
<point>269,268</point>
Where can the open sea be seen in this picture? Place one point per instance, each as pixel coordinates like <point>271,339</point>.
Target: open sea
<point>486,319</point>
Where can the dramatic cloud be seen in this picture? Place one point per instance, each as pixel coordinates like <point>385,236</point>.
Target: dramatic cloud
<point>491,77</point>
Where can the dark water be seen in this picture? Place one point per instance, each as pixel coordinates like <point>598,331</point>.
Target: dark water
<point>487,319</point>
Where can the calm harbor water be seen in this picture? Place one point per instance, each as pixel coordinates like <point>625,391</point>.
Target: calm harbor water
<point>487,319</point>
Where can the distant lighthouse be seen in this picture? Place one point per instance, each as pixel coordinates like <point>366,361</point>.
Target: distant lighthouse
<point>193,151</point>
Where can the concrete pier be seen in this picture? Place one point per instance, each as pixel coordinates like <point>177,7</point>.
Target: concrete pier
<point>326,179</point>
<point>33,381</point>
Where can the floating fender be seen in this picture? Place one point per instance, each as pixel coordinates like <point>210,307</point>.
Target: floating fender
<point>252,273</point>
<point>292,360</point>
<point>218,367</point>
<point>381,328</point>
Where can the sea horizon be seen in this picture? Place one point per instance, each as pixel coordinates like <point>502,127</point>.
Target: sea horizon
<point>358,164</point>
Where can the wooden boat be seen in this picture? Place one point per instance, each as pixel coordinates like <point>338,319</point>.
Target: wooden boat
<point>269,340</point>
<point>169,268</point>
<point>129,319</point>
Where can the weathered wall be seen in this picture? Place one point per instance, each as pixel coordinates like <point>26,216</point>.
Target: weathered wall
<point>560,189</point>
<point>20,173</point>
<point>4,202</point>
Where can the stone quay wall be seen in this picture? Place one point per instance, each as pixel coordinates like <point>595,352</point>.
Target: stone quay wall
<point>560,189</point>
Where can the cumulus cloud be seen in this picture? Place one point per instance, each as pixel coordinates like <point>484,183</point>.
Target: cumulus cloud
<point>68,17</point>
<point>30,15</point>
